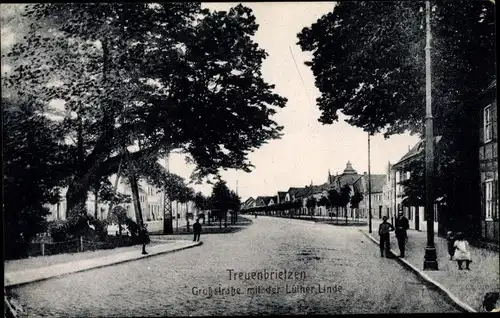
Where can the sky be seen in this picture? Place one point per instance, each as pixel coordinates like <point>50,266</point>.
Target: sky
<point>308,149</point>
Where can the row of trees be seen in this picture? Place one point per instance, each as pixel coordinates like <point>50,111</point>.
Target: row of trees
<point>134,82</point>
<point>369,63</point>
<point>338,199</point>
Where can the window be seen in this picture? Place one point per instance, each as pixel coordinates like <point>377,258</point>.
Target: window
<point>488,126</point>
<point>489,199</point>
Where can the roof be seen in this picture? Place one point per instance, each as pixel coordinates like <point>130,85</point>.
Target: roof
<point>274,198</point>
<point>378,182</point>
<point>249,199</point>
<point>297,192</point>
<point>281,196</point>
<point>261,198</point>
<point>266,199</point>
<point>339,181</point>
<point>416,150</point>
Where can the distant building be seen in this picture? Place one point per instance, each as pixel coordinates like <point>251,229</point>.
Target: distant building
<point>248,204</point>
<point>388,193</point>
<point>281,197</point>
<point>358,183</point>
<point>379,205</point>
<point>150,198</point>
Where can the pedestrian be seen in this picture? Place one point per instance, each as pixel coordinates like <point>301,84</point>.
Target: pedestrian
<point>462,253</point>
<point>450,239</point>
<point>384,230</point>
<point>491,302</point>
<point>255,213</point>
<point>197,230</point>
<point>144,236</point>
<point>402,225</point>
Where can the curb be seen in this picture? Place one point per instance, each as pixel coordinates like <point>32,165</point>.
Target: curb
<point>10,285</point>
<point>463,306</point>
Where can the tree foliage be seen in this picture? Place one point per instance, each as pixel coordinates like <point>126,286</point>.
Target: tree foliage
<point>220,200</point>
<point>334,198</point>
<point>33,166</point>
<point>160,77</point>
<point>356,199</point>
<point>324,202</point>
<point>369,63</point>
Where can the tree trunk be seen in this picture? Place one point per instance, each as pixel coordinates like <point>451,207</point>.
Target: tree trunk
<point>187,219</point>
<point>75,196</point>
<point>110,208</point>
<point>136,199</point>
<point>96,203</point>
<point>177,216</point>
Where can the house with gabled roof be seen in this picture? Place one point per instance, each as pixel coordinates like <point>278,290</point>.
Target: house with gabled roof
<point>281,197</point>
<point>401,171</point>
<point>248,204</point>
<point>358,183</point>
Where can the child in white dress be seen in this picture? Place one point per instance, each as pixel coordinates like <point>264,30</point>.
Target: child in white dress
<point>462,253</point>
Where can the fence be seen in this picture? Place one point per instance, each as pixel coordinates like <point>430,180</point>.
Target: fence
<point>74,246</point>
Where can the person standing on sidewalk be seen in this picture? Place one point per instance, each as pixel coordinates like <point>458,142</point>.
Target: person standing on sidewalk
<point>197,230</point>
<point>450,240</point>
<point>384,230</point>
<point>462,253</point>
<point>144,236</point>
<point>402,225</point>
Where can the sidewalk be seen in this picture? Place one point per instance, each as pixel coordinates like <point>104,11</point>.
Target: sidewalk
<point>467,288</point>
<point>14,276</point>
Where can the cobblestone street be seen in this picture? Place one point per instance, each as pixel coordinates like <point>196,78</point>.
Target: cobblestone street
<point>338,257</point>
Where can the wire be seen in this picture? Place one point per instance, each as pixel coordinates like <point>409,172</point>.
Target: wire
<point>300,75</point>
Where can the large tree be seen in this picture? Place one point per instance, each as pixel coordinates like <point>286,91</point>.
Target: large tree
<point>221,200</point>
<point>368,61</point>
<point>158,76</point>
<point>235,205</point>
<point>34,166</point>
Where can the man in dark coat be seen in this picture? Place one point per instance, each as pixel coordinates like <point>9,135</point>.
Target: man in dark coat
<point>385,241</point>
<point>402,224</point>
<point>144,236</point>
<point>197,230</point>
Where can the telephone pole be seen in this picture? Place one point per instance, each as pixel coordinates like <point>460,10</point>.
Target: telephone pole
<point>167,205</point>
<point>369,189</point>
<point>430,257</point>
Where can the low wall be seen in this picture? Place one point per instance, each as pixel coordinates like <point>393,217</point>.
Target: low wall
<point>154,226</point>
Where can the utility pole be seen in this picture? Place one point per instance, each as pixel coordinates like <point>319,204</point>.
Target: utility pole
<point>167,205</point>
<point>369,189</point>
<point>430,257</point>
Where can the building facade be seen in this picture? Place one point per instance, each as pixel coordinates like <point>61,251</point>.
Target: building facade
<point>401,171</point>
<point>488,164</point>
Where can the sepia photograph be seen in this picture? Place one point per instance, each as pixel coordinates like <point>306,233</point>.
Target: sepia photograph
<point>178,159</point>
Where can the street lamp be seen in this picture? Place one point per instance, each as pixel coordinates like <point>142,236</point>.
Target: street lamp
<point>167,205</point>
<point>369,190</point>
<point>430,257</point>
